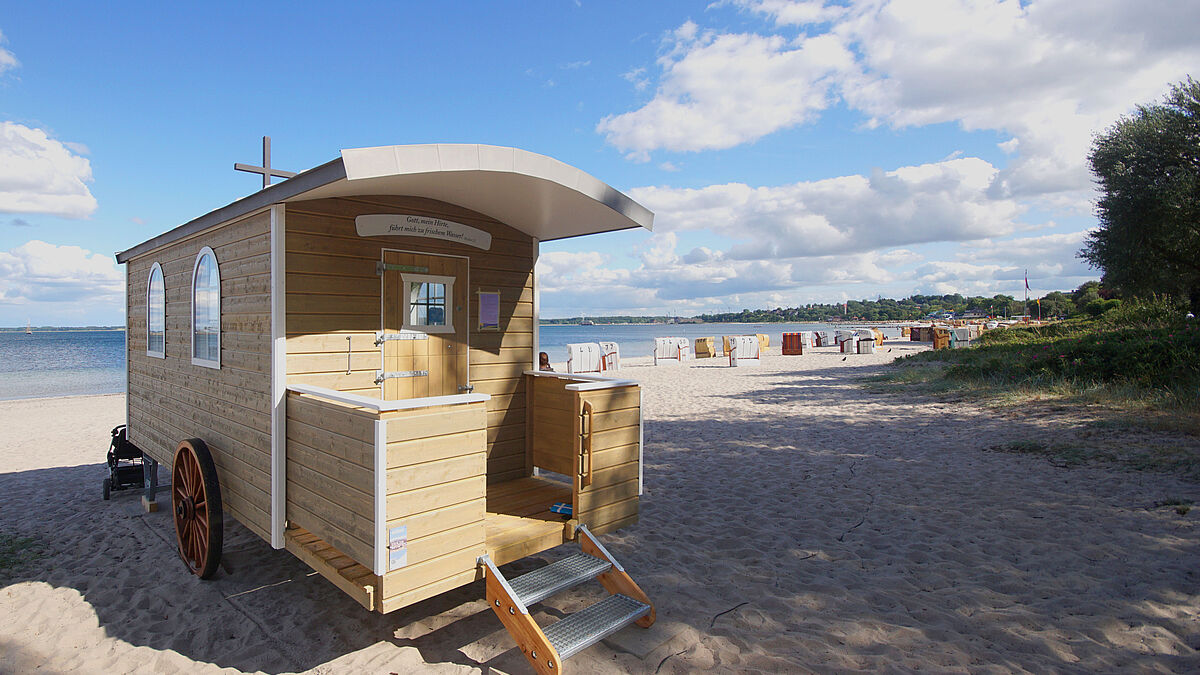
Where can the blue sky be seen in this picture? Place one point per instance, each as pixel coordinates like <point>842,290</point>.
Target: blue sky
<point>792,151</point>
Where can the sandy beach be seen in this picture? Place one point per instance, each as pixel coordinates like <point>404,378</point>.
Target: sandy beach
<point>792,521</point>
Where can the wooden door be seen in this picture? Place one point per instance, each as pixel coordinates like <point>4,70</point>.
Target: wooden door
<point>424,325</point>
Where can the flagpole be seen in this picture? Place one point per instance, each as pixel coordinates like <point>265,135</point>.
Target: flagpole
<point>1026,311</point>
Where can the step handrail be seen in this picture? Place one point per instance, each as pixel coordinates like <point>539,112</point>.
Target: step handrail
<point>585,445</point>
<point>516,619</point>
<point>617,580</point>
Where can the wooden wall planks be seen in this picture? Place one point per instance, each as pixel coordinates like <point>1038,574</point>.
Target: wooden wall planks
<point>333,293</point>
<point>170,399</point>
<point>437,463</point>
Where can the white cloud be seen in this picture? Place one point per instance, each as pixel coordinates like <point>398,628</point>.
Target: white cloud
<point>1048,73</point>
<point>38,272</point>
<point>794,13</point>
<point>722,90</point>
<point>41,175</point>
<point>943,201</point>
<point>8,60</point>
<point>637,77</point>
<point>704,279</point>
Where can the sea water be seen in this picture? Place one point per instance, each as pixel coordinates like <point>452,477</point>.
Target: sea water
<point>61,363</point>
<point>71,363</point>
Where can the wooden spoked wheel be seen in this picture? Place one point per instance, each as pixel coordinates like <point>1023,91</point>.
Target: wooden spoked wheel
<point>196,503</point>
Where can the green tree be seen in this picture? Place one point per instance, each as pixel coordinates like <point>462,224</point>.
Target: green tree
<point>1085,294</point>
<point>1057,303</point>
<point>1148,167</point>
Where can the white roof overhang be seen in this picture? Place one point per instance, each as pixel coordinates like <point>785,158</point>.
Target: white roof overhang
<point>535,194</point>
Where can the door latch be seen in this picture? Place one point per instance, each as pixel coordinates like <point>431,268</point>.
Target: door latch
<point>466,387</point>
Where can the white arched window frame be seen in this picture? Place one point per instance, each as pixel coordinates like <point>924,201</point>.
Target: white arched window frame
<point>206,310</point>
<point>156,313</point>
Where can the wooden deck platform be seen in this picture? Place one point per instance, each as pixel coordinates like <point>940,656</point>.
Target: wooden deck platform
<point>357,581</point>
<point>519,522</point>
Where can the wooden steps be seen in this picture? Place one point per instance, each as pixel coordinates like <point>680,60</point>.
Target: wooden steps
<point>545,648</point>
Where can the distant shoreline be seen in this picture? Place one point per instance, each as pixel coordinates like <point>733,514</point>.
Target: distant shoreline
<point>892,322</point>
<point>65,329</point>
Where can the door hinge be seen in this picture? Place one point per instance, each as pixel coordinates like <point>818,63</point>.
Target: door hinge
<point>380,375</point>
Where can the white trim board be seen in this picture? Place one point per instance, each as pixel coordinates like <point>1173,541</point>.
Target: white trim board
<point>278,378</point>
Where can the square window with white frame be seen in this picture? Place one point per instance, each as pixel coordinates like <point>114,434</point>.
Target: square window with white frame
<point>428,303</point>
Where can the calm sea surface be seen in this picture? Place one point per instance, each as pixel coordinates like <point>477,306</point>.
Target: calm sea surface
<point>61,363</point>
<point>69,363</point>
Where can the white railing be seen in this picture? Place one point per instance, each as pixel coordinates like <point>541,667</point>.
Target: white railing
<point>586,382</point>
<point>379,405</point>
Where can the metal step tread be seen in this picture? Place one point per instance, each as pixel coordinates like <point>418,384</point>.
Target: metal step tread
<point>558,576</point>
<point>591,625</point>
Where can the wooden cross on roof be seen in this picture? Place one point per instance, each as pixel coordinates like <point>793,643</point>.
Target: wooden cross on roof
<point>265,169</point>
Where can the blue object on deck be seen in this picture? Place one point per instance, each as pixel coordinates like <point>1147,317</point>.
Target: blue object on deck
<point>561,507</point>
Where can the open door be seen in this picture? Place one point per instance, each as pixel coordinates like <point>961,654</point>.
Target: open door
<point>424,337</point>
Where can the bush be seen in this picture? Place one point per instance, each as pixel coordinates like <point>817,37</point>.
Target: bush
<point>1099,307</point>
<point>1148,345</point>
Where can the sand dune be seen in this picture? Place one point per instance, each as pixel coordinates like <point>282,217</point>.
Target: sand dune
<point>792,521</point>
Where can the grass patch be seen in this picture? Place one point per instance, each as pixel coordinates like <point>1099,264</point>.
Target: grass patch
<point>1137,359</point>
<point>16,552</point>
<point>1181,506</point>
<point>1157,456</point>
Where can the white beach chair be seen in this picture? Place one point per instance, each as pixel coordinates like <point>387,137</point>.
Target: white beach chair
<point>610,356</point>
<point>744,350</point>
<point>583,357</point>
<point>671,350</point>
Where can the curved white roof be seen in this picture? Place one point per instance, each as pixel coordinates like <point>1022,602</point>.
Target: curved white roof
<point>535,194</point>
<point>538,195</point>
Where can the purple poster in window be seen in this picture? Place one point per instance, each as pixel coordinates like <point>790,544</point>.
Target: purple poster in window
<point>489,311</point>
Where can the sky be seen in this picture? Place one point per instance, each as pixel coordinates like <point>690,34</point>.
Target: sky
<point>792,151</point>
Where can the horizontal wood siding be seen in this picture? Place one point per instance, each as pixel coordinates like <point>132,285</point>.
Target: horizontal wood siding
<point>436,483</point>
<point>333,293</point>
<point>611,501</point>
<point>551,433</point>
<point>331,474</point>
<point>228,408</point>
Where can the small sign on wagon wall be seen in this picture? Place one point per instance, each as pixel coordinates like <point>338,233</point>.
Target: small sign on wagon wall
<point>397,547</point>
<point>383,224</point>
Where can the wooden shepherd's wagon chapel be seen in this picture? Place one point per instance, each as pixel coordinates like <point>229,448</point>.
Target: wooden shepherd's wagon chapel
<point>345,363</point>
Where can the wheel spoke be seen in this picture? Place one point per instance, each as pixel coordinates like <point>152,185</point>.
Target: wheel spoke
<point>181,463</point>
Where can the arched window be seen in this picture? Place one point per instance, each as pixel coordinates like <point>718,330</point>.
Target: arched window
<point>156,314</point>
<point>206,310</point>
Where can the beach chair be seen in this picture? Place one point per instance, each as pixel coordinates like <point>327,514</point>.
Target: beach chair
<point>672,350</point>
<point>610,356</point>
<point>793,344</point>
<point>705,348</point>
<point>744,350</point>
<point>583,357</point>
